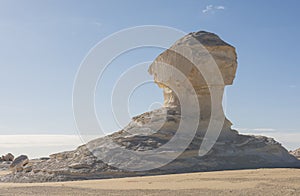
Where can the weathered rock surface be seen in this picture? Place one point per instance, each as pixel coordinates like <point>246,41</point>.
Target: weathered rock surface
<point>7,157</point>
<point>5,161</point>
<point>4,165</point>
<point>231,151</point>
<point>181,55</point>
<point>296,153</point>
<point>18,164</point>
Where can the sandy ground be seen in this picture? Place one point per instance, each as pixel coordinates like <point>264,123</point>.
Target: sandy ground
<point>240,182</point>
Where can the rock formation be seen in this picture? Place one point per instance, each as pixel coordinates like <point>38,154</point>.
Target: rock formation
<point>197,63</point>
<point>296,153</point>
<point>5,161</point>
<point>7,157</point>
<point>212,47</point>
<point>4,166</point>
<point>19,163</point>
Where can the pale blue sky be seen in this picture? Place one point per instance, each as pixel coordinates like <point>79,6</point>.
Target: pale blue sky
<point>42,44</point>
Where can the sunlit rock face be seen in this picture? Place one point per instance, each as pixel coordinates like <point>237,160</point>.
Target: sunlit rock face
<point>200,57</point>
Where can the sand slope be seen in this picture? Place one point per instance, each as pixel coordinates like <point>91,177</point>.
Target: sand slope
<point>245,182</point>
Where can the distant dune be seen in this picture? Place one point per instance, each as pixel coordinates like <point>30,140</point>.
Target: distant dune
<point>239,182</point>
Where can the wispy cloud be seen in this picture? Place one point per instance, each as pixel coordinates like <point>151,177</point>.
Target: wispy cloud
<point>96,23</point>
<point>212,8</point>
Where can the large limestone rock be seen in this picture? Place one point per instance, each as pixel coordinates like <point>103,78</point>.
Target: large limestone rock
<point>100,158</point>
<point>200,64</point>
<point>211,48</point>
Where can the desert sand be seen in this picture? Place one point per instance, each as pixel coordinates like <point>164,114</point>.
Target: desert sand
<point>238,182</point>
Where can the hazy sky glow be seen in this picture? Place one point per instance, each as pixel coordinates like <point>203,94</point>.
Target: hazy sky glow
<point>42,44</point>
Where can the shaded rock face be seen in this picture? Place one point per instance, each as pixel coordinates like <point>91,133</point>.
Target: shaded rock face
<point>18,164</point>
<point>231,151</point>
